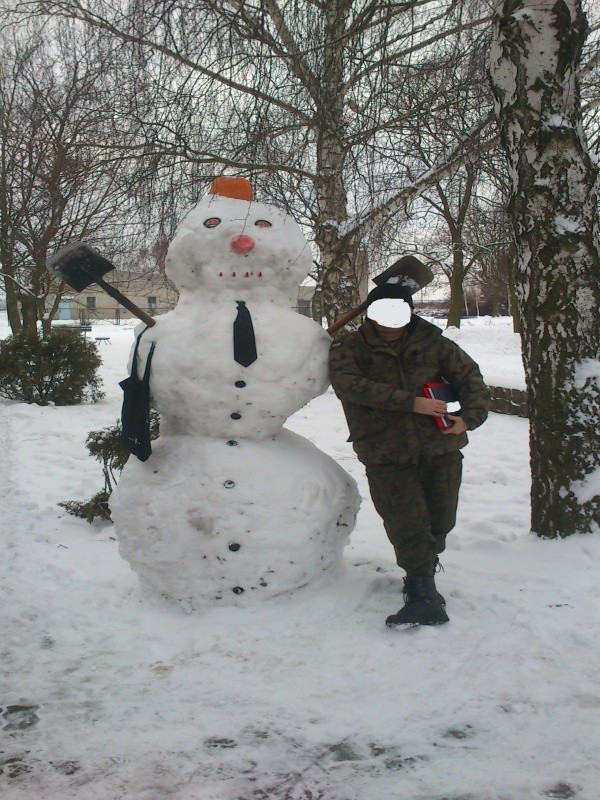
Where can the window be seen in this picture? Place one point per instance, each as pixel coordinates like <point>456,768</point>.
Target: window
<point>151,303</point>
<point>90,303</point>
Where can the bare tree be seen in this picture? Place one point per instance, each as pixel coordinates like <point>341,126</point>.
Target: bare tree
<point>311,94</point>
<point>490,235</point>
<point>452,204</point>
<point>53,188</point>
<point>590,78</point>
<point>461,98</point>
<point>554,208</point>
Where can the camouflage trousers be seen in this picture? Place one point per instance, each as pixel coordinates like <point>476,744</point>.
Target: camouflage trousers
<point>418,506</point>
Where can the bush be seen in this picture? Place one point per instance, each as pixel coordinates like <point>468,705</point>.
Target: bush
<point>107,447</point>
<point>96,506</point>
<point>60,370</point>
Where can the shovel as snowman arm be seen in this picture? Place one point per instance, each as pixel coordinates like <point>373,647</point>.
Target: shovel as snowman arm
<point>126,302</point>
<point>79,265</point>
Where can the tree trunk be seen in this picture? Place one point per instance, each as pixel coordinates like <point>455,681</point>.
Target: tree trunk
<point>29,312</point>
<point>511,274</point>
<point>12,304</point>
<point>496,302</point>
<point>336,280</point>
<point>535,54</point>
<point>457,301</point>
<point>457,291</point>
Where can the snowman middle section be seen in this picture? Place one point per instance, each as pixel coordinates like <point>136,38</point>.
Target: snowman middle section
<point>198,387</point>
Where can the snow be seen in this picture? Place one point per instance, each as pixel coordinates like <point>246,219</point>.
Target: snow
<point>523,14</point>
<point>588,369</point>
<point>564,224</point>
<point>586,489</point>
<point>106,696</point>
<point>209,524</point>
<point>556,121</point>
<point>492,342</point>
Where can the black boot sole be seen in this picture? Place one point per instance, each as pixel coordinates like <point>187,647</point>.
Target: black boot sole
<point>406,625</point>
<point>438,617</point>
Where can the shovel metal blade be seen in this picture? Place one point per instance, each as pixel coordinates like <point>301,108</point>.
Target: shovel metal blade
<point>407,271</point>
<point>79,265</point>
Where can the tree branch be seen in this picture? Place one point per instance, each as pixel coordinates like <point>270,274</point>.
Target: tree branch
<point>466,149</point>
<point>78,12</point>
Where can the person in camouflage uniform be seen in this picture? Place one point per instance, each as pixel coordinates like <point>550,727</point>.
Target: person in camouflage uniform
<point>414,469</point>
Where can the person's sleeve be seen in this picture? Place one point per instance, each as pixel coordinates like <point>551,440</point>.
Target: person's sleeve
<point>459,369</point>
<point>351,386</point>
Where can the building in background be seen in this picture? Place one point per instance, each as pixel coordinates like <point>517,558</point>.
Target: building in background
<point>153,292</point>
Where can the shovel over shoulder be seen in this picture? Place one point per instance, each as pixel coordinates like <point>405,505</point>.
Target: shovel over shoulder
<point>79,265</point>
<point>408,271</point>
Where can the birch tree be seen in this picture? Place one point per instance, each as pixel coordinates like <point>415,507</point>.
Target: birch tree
<point>554,207</point>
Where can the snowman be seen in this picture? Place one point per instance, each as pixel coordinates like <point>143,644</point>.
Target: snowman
<point>231,506</point>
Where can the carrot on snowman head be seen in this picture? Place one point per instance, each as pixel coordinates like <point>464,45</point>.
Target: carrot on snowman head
<point>236,188</point>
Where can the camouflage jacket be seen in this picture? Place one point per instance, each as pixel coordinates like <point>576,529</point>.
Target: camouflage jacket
<point>377,382</point>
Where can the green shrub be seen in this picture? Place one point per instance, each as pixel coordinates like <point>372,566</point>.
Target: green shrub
<point>107,447</point>
<point>60,370</point>
<point>96,506</point>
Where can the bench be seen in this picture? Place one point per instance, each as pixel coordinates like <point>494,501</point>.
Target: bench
<point>84,327</point>
<point>101,339</point>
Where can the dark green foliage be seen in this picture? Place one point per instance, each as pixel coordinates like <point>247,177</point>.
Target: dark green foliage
<point>96,506</point>
<point>60,370</point>
<point>107,447</point>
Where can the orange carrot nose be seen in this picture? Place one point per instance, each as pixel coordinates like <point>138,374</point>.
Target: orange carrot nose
<point>242,244</point>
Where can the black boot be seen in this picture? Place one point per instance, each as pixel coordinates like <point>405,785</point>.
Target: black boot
<point>422,605</point>
<point>439,597</point>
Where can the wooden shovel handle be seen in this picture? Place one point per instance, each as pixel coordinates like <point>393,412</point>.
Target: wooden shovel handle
<point>346,318</point>
<point>125,301</point>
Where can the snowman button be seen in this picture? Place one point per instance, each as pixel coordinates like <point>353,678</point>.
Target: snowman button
<point>235,415</point>
<point>240,384</point>
<point>229,484</point>
<point>231,442</point>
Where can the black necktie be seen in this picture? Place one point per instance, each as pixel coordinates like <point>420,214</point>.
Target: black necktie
<point>244,343</point>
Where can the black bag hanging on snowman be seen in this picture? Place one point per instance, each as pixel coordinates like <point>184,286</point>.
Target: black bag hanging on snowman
<point>135,412</point>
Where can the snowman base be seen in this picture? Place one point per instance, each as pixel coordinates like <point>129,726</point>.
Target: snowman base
<point>232,522</point>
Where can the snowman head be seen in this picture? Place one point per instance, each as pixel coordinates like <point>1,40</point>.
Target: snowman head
<point>231,246</point>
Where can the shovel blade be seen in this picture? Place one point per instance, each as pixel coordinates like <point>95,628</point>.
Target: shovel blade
<point>79,265</point>
<point>407,271</point>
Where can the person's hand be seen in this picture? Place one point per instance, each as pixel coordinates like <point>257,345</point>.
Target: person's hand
<point>460,426</point>
<point>429,406</point>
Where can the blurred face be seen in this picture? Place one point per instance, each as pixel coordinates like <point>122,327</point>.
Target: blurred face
<point>390,312</point>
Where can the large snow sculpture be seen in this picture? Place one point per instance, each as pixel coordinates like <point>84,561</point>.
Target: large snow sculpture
<point>231,506</point>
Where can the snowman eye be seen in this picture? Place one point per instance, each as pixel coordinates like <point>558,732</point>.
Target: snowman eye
<point>263,223</point>
<point>212,222</point>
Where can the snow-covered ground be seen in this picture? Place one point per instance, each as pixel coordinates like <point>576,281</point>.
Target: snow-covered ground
<point>309,697</point>
<point>492,343</point>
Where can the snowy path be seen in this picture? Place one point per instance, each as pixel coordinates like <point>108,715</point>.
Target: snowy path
<point>310,698</point>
